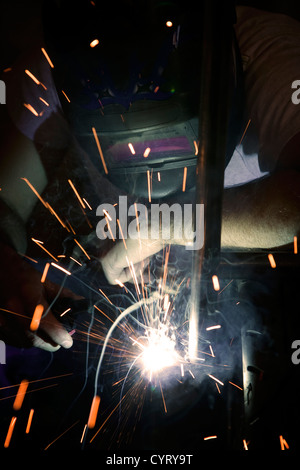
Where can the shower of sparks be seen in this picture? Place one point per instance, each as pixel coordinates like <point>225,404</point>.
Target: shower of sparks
<point>145,344</point>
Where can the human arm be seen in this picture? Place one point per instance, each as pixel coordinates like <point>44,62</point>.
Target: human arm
<point>265,213</point>
<point>20,284</point>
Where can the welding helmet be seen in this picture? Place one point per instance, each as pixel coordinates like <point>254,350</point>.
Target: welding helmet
<point>127,74</point>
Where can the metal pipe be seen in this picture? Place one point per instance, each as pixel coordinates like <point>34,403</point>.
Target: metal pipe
<point>216,58</point>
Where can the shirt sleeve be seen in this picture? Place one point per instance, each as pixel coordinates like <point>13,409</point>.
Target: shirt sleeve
<point>32,100</point>
<point>270,47</point>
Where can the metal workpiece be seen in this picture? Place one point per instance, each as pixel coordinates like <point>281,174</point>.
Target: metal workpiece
<point>216,60</point>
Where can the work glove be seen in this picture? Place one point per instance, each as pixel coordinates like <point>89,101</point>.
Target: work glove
<point>128,259</point>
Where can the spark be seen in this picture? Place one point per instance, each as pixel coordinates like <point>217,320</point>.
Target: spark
<point>29,422</point>
<point>295,245</point>
<point>41,246</point>
<point>38,380</point>
<point>58,437</point>
<point>272,260</point>
<point>66,311</point>
<point>105,421</point>
<point>196,147</point>
<point>76,194</point>
<point>131,148</point>
<point>75,261</point>
<point>93,412</point>
<point>52,211</point>
<point>210,437</point>
<point>36,318</point>
<point>35,191</point>
<point>216,283</point>
<point>109,229</point>
<point>147,152</point>
<point>66,96</point>
<point>215,327</point>
<point>133,273</point>
<point>242,138</point>
<point>245,444</point>
<point>47,57</point>
<point>104,295</point>
<point>163,398</point>
<point>169,24</point>
<point>122,235</point>
<point>149,185</point>
<point>94,43</point>
<point>43,101</point>
<point>107,215</point>
<point>283,444</point>
<point>82,249</point>
<point>214,378</point>
<point>184,179</point>
<point>31,108</point>
<point>33,77</point>
<point>57,266</point>
<point>10,431</point>
<point>86,202</point>
<point>20,395</point>
<point>235,385</point>
<point>83,433</point>
<point>100,150</point>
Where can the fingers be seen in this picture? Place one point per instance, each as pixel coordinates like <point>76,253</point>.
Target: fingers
<point>57,334</point>
<point>49,335</point>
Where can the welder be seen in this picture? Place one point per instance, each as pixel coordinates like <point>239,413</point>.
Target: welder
<point>107,78</point>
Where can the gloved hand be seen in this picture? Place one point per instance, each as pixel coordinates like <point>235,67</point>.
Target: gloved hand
<point>116,263</point>
<point>21,291</point>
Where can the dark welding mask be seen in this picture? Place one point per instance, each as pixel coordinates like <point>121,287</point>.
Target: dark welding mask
<point>127,73</point>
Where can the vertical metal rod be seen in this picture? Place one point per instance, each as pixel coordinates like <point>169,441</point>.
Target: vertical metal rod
<point>216,23</point>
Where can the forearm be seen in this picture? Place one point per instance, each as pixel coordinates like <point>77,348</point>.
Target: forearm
<point>264,214</point>
<point>19,159</point>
